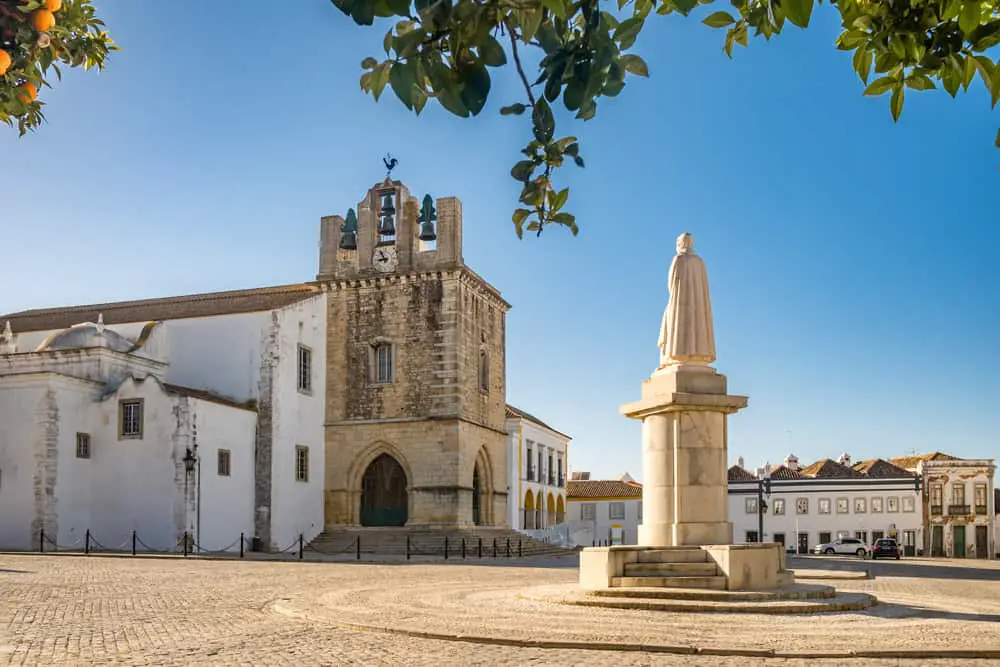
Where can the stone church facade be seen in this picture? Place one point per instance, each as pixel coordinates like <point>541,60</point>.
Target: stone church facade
<point>416,387</point>
<point>373,395</point>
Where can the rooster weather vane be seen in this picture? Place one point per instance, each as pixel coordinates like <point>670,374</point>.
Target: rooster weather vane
<point>390,163</point>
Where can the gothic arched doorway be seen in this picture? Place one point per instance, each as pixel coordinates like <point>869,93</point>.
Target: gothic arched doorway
<point>383,493</point>
<point>477,493</point>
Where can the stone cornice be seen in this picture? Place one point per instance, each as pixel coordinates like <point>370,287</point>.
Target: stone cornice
<point>463,274</point>
<point>410,420</point>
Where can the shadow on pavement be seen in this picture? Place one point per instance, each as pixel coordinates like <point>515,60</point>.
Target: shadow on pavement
<point>899,610</point>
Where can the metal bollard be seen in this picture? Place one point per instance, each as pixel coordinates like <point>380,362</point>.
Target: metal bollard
<point>463,548</point>
<point>86,542</point>
<point>508,547</point>
<point>519,552</point>
<point>357,548</point>
<point>41,541</point>
<point>494,547</point>
<point>407,547</point>
<point>446,548</point>
<point>185,544</point>
<point>242,542</point>
<point>133,542</point>
<point>480,547</point>
<point>300,546</point>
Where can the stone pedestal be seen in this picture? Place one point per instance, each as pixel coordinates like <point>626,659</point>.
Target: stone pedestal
<point>684,454</point>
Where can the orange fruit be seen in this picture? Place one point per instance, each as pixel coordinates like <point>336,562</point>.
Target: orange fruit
<point>30,92</point>
<point>53,5</point>
<point>5,61</point>
<point>43,20</point>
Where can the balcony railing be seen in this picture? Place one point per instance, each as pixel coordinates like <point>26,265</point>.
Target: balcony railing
<point>562,480</point>
<point>958,510</point>
<point>936,510</point>
<point>981,509</point>
<point>552,479</point>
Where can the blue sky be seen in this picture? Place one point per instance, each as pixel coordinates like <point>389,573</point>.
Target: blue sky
<point>851,260</point>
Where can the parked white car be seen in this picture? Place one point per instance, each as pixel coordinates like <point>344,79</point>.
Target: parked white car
<point>847,546</point>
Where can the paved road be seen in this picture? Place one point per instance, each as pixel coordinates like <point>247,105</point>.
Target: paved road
<point>69,610</point>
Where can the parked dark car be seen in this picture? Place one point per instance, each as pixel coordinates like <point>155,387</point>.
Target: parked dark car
<point>885,547</point>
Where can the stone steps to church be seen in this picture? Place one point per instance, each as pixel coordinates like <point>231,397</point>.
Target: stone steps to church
<point>670,569</point>
<point>837,603</point>
<point>711,582</point>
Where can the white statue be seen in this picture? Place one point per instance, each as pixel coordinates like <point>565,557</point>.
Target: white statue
<point>8,342</point>
<point>686,333</point>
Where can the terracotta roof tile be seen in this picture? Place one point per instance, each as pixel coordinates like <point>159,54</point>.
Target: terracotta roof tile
<point>517,413</point>
<point>738,474</point>
<point>783,472</point>
<point>910,462</point>
<point>602,488</point>
<point>168,308</point>
<point>828,468</point>
<point>880,469</point>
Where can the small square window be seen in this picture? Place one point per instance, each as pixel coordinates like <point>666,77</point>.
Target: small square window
<point>130,418</point>
<point>383,363</point>
<point>802,506</point>
<point>876,505</point>
<point>892,504</point>
<point>588,511</point>
<point>908,504</point>
<point>616,511</point>
<point>305,369</point>
<point>824,506</point>
<point>225,462</point>
<point>750,505</point>
<point>83,445</point>
<point>779,506</point>
<point>860,505</point>
<point>301,463</point>
<point>843,506</point>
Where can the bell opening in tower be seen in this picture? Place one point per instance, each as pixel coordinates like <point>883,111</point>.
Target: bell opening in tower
<point>387,224</point>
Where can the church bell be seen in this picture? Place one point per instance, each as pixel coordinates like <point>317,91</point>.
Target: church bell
<point>386,227</point>
<point>349,232</point>
<point>427,218</point>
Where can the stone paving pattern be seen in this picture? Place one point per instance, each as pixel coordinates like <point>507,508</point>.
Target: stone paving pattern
<point>72,610</point>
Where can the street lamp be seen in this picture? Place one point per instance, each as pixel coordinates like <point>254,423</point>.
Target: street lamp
<point>190,461</point>
<point>763,489</point>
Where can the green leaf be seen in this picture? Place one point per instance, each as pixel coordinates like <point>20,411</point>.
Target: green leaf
<point>969,19</point>
<point>997,143</point>
<point>491,52</point>
<point>513,109</point>
<point>880,86</point>
<point>380,77</point>
<point>452,101</point>
<point>369,63</point>
<point>557,7</point>
<point>401,77</point>
<point>951,10</point>
<point>578,160</point>
<point>628,30</point>
<point>520,215</point>
<point>557,199</point>
<point>544,122</point>
<point>863,64</point>
<point>634,64</point>
<point>719,20</point>
<point>896,105</point>
<point>951,81</point>
<point>798,11</point>
<point>985,67</point>
<point>986,36</point>
<point>476,86</point>
<point>522,171</point>
<point>920,82</point>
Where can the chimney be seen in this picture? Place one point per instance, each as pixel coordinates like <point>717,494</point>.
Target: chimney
<point>845,459</point>
<point>792,462</point>
<point>740,463</point>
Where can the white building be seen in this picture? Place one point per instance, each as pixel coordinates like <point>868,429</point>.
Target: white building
<point>603,511</point>
<point>537,457</point>
<point>824,501</point>
<point>959,514</point>
<point>101,405</point>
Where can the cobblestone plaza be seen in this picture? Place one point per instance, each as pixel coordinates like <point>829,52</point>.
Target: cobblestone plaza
<point>75,610</point>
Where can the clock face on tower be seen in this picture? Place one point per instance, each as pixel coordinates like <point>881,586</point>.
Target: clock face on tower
<point>384,258</point>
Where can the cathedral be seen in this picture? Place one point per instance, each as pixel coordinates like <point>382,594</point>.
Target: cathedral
<point>373,395</point>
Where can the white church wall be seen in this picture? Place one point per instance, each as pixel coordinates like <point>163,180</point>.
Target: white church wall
<point>30,428</point>
<point>225,502</point>
<point>297,421</point>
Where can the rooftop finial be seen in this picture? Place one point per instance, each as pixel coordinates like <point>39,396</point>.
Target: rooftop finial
<point>390,163</point>
<point>100,323</point>
<point>7,332</point>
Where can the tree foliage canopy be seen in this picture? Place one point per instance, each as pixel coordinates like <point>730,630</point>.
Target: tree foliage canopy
<point>444,50</point>
<point>36,35</point>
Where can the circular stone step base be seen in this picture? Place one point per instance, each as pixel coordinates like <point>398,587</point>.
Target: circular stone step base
<point>795,592</point>
<point>686,601</point>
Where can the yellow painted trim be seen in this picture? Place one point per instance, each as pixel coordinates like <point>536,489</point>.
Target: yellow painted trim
<point>520,451</point>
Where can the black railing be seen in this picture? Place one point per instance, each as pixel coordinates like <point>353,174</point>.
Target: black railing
<point>981,509</point>
<point>186,545</point>
<point>936,510</point>
<point>562,480</point>
<point>552,479</point>
<point>958,510</point>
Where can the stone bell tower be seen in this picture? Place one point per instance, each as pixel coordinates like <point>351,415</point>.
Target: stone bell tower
<point>416,384</point>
